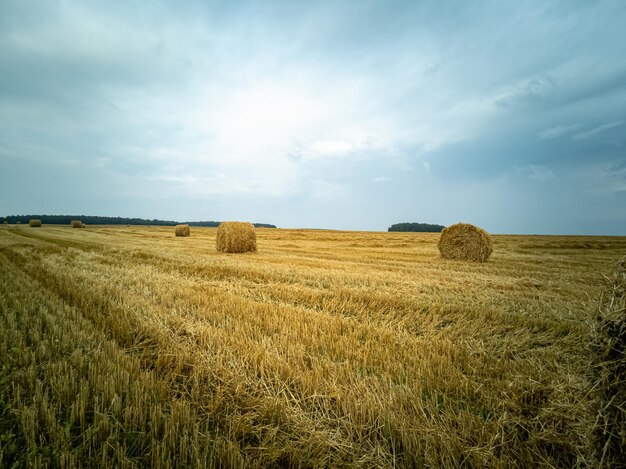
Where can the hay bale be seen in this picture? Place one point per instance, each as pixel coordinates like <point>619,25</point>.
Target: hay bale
<point>609,367</point>
<point>34,223</point>
<point>234,236</point>
<point>82,225</point>
<point>182,230</point>
<point>76,224</point>
<point>465,242</point>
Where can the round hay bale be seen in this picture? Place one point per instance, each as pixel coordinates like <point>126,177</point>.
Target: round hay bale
<point>465,242</point>
<point>182,230</point>
<point>76,224</point>
<point>82,225</point>
<point>34,223</point>
<point>235,236</point>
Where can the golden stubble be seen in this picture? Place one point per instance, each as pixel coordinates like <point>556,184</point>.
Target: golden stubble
<point>324,349</point>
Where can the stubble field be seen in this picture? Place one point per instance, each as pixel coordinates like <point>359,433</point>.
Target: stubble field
<point>129,347</point>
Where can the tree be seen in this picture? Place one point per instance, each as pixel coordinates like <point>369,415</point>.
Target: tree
<point>416,227</point>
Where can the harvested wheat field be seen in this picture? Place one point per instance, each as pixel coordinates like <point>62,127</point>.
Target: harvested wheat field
<point>123,347</point>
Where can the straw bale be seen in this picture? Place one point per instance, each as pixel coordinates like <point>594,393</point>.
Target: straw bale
<point>76,224</point>
<point>234,236</point>
<point>609,345</point>
<point>465,242</point>
<point>34,223</point>
<point>182,230</point>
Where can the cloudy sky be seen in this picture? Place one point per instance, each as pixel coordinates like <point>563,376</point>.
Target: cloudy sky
<point>340,114</point>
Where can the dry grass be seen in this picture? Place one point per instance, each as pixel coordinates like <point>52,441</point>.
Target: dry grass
<point>182,230</point>
<point>610,348</point>
<point>235,237</point>
<point>465,242</point>
<point>34,223</point>
<point>121,347</point>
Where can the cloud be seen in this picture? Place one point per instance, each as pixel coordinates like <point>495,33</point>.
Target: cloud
<point>532,90</point>
<point>322,148</point>
<point>538,173</point>
<point>327,191</point>
<point>381,179</point>
<point>352,140</point>
<point>601,178</point>
<point>596,130</point>
<point>558,131</point>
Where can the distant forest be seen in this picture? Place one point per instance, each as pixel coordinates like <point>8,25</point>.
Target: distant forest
<point>420,227</point>
<point>95,220</point>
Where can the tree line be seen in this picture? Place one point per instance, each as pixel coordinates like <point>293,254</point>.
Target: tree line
<point>98,220</point>
<point>419,227</point>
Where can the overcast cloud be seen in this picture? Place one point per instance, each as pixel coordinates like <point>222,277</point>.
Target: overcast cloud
<point>349,115</point>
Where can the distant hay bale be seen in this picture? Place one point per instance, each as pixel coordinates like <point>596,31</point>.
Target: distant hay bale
<point>76,224</point>
<point>82,225</point>
<point>182,230</point>
<point>34,223</point>
<point>234,236</point>
<point>465,242</point>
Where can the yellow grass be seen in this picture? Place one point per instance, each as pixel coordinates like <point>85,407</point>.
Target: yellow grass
<point>122,347</point>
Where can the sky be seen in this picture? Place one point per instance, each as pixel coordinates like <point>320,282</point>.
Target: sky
<point>340,114</point>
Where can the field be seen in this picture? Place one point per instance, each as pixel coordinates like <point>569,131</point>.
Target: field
<point>128,346</point>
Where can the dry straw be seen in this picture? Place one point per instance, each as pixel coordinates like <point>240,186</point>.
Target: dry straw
<point>465,242</point>
<point>34,223</point>
<point>610,366</point>
<point>76,224</point>
<point>234,236</point>
<point>182,230</point>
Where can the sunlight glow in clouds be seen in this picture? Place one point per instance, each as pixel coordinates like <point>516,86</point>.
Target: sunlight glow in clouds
<point>338,115</point>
